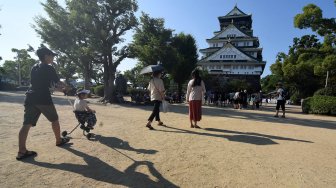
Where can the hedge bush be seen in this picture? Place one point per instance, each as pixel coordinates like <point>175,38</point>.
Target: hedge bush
<point>320,105</point>
<point>99,90</point>
<point>7,86</point>
<point>133,91</point>
<point>329,91</point>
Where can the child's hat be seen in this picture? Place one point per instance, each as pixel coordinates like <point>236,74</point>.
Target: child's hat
<point>82,91</point>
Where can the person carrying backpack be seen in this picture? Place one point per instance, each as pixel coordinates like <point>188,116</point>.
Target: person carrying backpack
<point>281,100</point>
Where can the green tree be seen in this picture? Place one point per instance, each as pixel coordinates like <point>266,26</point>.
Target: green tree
<point>90,32</point>
<point>10,70</point>
<point>312,18</point>
<point>150,42</point>
<point>23,63</point>
<point>133,76</point>
<point>185,59</point>
<point>65,32</point>
<point>269,82</point>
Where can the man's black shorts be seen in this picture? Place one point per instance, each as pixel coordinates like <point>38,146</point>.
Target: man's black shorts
<point>280,103</point>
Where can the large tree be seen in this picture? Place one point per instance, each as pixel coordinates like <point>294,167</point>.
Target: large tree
<point>154,43</point>
<point>312,17</point>
<point>90,32</point>
<point>65,32</point>
<point>304,67</point>
<point>151,42</point>
<point>185,59</point>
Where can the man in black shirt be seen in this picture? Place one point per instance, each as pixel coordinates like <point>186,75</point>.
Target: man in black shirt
<point>38,100</point>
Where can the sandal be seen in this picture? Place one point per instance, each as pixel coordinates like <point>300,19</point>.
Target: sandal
<point>192,126</point>
<point>198,127</point>
<point>63,141</point>
<point>150,127</point>
<point>161,124</point>
<point>26,154</point>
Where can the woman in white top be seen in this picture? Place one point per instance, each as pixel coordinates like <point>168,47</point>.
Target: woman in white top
<point>195,92</point>
<point>157,90</point>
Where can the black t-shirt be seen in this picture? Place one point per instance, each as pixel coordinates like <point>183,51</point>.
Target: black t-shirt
<point>42,76</point>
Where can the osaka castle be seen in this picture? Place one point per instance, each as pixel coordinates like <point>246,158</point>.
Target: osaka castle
<point>233,51</point>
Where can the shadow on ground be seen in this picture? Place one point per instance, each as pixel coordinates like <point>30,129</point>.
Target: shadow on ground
<point>101,171</point>
<point>243,137</point>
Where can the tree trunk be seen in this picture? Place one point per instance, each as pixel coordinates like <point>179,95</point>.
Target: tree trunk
<point>109,77</point>
<point>87,76</point>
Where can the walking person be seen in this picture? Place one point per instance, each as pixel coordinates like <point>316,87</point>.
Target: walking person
<point>38,100</point>
<point>157,90</point>
<point>280,100</point>
<point>195,91</point>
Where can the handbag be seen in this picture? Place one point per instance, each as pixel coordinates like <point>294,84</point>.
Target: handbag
<point>165,104</point>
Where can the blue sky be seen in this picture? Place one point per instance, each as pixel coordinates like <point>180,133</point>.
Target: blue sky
<point>272,22</point>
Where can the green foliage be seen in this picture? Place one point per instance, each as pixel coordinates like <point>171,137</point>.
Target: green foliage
<point>306,105</point>
<point>150,41</point>
<point>99,90</point>
<point>268,83</point>
<point>312,18</point>
<point>22,64</point>
<point>329,91</point>
<point>325,105</point>
<point>185,53</point>
<point>88,33</point>
<point>133,76</point>
<point>295,98</point>
<point>134,91</point>
<point>237,85</point>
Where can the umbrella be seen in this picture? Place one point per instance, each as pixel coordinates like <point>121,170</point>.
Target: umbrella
<point>151,68</point>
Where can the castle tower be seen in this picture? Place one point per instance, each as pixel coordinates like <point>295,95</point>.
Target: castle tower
<point>233,51</point>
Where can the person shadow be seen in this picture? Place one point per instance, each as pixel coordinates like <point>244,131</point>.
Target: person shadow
<point>116,143</point>
<point>243,137</point>
<point>99,170</point>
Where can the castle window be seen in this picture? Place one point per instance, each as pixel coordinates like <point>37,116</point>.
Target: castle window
<point>231,35</point>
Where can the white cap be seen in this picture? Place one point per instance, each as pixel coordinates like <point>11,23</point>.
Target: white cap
<point>83,91</point>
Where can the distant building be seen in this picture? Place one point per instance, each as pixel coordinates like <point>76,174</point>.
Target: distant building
<point>234,52</point>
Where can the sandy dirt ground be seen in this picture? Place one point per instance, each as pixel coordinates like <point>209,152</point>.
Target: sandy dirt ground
<point>235,148</point>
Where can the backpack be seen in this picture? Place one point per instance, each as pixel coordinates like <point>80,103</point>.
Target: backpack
<point>285,94</point>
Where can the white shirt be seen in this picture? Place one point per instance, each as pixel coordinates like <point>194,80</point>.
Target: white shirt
<point>196,92</point>
<point>280,93</point>
<point>156,89</point>
<point>80,105</point>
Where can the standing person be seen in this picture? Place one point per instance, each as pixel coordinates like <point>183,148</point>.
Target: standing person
<point>38,100</point>
<point>244,98</point>
<point>236,100</point>
<point>157,90</point>
<point>280,100</point>
<point>258,99</point>
<point>195,90</point>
